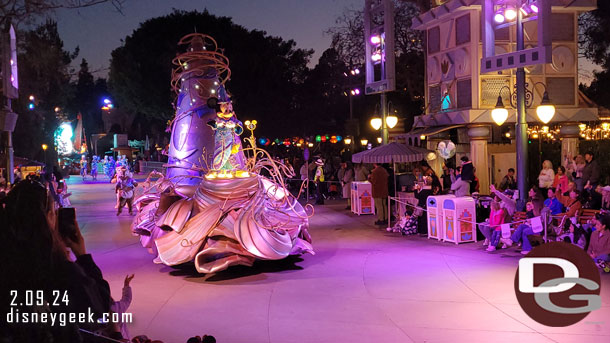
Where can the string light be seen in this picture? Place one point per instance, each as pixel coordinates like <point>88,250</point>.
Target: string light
<point>588,132</point>
<point>600,131</point>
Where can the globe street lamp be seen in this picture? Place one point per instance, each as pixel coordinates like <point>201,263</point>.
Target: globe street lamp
<point>545,111</point>
<point>499,114</point>
<point>390,123</point>
<point>498,14</point>
<point>376,123</point>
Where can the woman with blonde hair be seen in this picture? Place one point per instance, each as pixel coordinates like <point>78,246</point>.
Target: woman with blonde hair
<point>546,177</point>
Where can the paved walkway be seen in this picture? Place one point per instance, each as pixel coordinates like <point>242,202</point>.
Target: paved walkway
<point>363,285</point>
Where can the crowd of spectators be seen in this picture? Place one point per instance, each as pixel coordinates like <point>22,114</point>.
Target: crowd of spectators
<point>559,196</point>
<point>556,203</point>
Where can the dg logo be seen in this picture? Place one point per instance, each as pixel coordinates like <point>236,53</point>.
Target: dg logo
<point>558,284</point>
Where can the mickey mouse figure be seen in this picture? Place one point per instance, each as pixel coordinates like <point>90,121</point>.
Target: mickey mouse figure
<point>229,159</point>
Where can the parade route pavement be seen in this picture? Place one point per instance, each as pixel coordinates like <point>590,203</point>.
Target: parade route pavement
<point>362,285</point>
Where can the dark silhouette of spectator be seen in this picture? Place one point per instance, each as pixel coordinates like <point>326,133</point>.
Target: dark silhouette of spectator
<point>508,181</point>
<point>446,179</point>
<point>467,169</point>
<point>422,193</point>
<point>379,188</point>
<point>474,185</point>
<point>38,261</point>
<point>591,172</point>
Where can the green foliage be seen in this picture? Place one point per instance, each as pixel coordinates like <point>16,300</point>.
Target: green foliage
<point>594,43</point>
<point>348,41</point>
<point>598,89</point>
<point>322,107</point>
<point>87,94</point>
<point>593,34</point>
<point>44,71</point>
<point>266,71</point>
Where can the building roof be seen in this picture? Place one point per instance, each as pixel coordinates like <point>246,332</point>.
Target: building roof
<point>438,13</point>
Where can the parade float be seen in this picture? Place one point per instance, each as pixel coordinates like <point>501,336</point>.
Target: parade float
<point>213,207</point>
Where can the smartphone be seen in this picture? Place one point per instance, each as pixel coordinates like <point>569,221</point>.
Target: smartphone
<point>66,217</point>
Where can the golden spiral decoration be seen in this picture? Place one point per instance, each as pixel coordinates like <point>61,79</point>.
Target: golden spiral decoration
<point>197,62</point>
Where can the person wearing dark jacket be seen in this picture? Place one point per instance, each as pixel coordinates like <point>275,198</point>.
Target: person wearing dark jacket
<point>422,195</point>
<point>467,169</point>
<point>446,177</point>
<point>38,261</point>
<point>508,181</point>
<point>379,187</point>
<point>590,173</point>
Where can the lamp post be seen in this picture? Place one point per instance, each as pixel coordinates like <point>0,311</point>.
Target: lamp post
<point>388,122</point>
<point>545,112</point>
<point>379,54</point>
<point>521,125</point>
<point>500,14</point>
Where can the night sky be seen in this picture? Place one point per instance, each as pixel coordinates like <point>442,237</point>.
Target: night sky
<point>98,30</point>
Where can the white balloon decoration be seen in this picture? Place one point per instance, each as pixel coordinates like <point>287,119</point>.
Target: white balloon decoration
<point>446,149</point>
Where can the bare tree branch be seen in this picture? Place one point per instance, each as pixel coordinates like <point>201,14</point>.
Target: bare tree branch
<point>348,41</point>
<point>19,11</point>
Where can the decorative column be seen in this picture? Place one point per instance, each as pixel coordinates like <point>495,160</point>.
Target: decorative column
<point>478,154</point>
<point>569,133</point>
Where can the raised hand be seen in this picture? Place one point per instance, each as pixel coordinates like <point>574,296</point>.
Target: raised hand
<point>128,279</point>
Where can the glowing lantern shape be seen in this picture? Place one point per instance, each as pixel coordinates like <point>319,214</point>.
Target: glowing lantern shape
<point>391,121</point>
<point>499,114</point>
<point>545,110</point>
<point>376,123</point>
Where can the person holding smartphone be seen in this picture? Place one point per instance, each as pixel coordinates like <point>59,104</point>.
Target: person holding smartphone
<point>38,244</point>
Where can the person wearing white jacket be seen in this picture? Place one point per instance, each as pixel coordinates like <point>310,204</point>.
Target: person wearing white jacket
<point>546,177</point>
